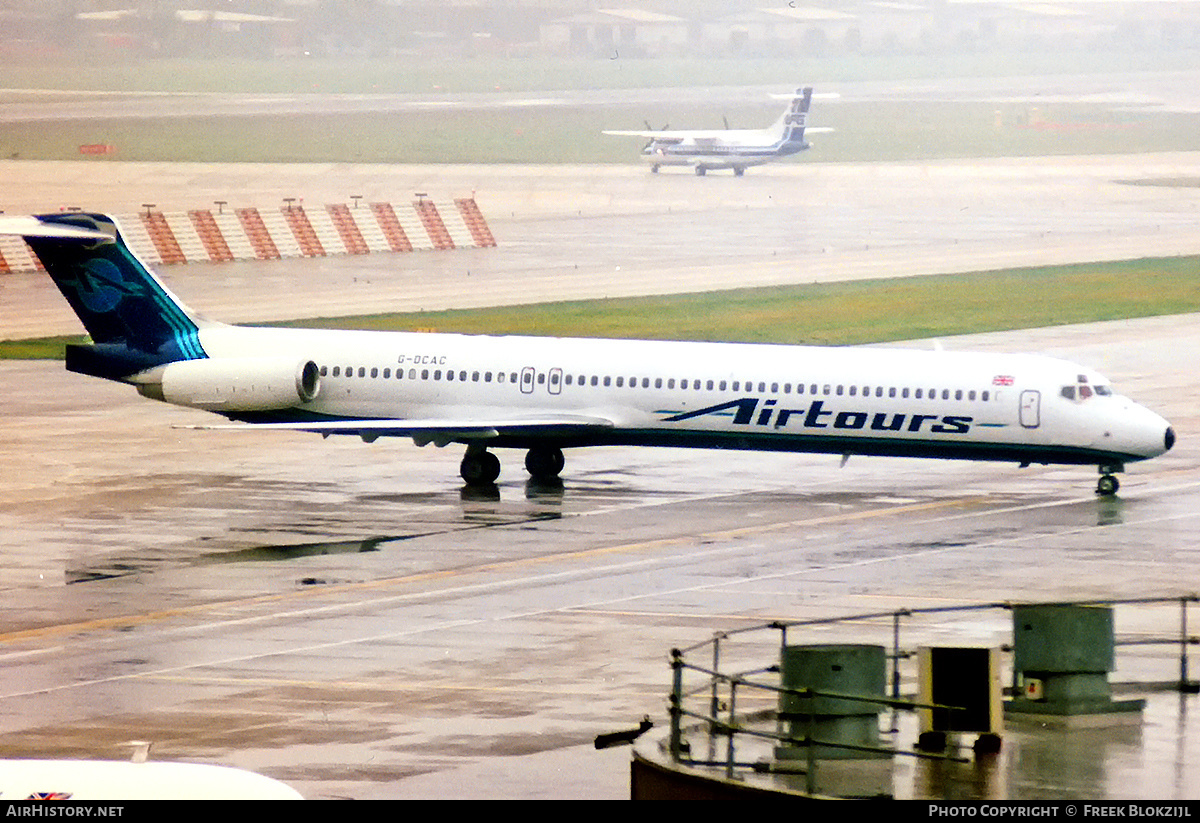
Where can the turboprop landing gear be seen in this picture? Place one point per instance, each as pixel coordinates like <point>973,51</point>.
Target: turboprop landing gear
<point>738,171</point>
<point>701,171</point>
<point>1108,484</point>
<point>479,467</point>
<point>544,463</point>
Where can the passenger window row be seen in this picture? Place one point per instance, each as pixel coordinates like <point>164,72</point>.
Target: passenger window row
<point>670,383</point>
<point>415,374</point>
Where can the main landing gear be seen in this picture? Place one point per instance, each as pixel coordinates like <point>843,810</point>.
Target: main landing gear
<point>481,468</point>
<point>544,463</point>
<point>1108,484</point>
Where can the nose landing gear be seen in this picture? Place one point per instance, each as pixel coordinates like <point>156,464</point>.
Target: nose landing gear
<point>1108,484</point>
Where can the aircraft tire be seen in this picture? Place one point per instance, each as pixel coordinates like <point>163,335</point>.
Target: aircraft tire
<point>480,468</point>
<point>1107,485</point>
<point>738,171</point>
<point>700,171</point>
<point>544,462</point>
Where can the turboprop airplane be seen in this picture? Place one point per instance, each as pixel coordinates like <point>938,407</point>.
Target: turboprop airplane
<point>543,395</point>
<point>736,149</point>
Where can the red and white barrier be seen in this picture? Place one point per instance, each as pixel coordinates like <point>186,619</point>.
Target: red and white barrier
<point>292,231</point>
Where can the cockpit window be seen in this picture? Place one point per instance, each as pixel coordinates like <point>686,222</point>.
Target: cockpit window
<point>1082,389</point>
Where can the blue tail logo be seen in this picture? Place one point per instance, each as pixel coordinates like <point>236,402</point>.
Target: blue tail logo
<point>796,118</point>
<point>101,288</point>
<point>135,323</point>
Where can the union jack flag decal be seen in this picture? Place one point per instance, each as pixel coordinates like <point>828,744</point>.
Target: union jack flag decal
<point>1002,380</point>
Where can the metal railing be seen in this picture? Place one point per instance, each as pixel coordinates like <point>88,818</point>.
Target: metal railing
<point>733,725</point>
<point>726,690</point>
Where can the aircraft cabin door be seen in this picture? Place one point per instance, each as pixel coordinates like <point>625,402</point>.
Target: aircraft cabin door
<point>556,381</point>
<point>527,380</point>
<point>1031,408</point>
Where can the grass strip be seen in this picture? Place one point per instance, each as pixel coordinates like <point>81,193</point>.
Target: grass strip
<point>863,131</point>
<point>851,313</point>
<point>857,312</point>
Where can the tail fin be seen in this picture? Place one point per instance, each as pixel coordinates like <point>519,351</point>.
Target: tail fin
<point>134,321</point>
<point>795,119</point>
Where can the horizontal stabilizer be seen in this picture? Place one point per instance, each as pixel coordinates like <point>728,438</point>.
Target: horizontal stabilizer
<point>29,226</point>
<point>825,95</point>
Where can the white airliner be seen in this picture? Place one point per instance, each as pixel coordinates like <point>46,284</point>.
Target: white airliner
<point>544,395</point>
<point>121,780</point>
<point>736,149</point>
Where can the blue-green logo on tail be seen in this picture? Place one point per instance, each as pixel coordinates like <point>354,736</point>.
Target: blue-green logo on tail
<point>134,322</point>
<point>100,286</point>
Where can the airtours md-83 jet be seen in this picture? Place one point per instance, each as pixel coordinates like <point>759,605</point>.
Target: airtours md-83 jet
<point>545,396</point>
<point>736,149</point>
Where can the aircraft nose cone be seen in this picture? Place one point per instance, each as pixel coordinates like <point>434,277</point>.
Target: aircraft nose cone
<point>1169,438</point>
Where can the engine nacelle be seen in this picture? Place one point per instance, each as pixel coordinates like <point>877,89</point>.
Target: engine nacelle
<point>237,383</point>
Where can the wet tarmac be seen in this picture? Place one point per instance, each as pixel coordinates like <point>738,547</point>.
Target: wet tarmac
<point>574,232</point>
<point>349,619</point>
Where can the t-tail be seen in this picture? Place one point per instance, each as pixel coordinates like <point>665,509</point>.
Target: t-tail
<point>134,321</point>
<point>791,123</point>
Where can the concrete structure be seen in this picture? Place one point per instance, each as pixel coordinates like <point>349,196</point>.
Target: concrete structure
<point>630,32</point>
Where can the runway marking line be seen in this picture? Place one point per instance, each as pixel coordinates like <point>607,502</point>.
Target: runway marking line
<point>475,621</point>
<point>423,686</point>
<point>126,621</point>
<point>166,614</point>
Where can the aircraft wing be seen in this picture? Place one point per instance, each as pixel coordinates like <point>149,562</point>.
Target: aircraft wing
<point>436,430</point>
<point>705,137</point>
<point>676,136</point>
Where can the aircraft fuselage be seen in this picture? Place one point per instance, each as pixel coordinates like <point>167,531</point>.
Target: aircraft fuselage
<point>547,394</point>
<point>877,401</point>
